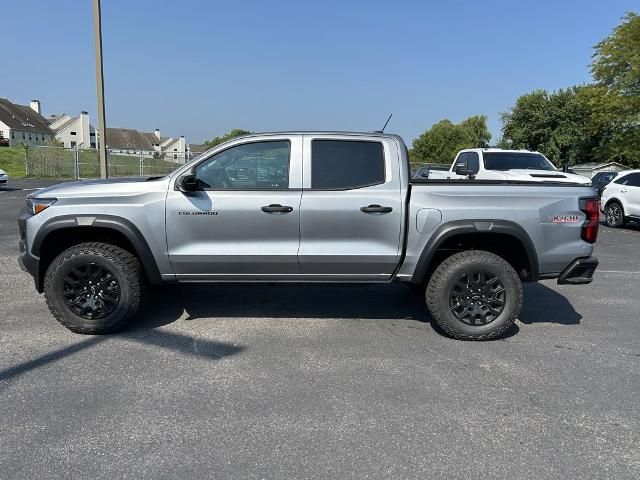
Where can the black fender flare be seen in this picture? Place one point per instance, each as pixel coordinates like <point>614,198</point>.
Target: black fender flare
<point>110,222</point>
<point>456,227</point>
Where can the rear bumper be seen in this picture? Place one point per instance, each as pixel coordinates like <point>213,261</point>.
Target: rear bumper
<point>579,272</point>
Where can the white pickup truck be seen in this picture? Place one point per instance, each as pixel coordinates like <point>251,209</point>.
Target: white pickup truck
<point>499,164</point>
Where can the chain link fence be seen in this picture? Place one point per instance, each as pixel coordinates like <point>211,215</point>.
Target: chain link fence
<point>58,162</point>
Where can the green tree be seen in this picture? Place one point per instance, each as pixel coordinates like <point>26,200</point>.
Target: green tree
<point>236,132</point>
<point>615,100</point>
<point>556,124</point>
<point>442,141</point>
<point>616,61</point>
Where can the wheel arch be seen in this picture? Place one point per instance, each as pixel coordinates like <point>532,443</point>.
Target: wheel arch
<point>502,237</point>
<point>60,233</point>
<point>614,200</point>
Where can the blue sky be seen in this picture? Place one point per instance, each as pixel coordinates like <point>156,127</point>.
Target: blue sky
<point>200,68</point>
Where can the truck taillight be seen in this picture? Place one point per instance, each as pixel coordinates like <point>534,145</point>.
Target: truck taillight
<point>590,206</point>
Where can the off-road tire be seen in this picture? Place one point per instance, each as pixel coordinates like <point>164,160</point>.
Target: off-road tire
<point>124,266</point>
<point>609,214</point>
<point>448,273</point>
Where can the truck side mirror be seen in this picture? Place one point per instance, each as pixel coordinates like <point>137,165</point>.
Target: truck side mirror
<point>187,183</point>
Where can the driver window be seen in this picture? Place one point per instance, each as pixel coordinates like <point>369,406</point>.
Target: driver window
<point>258,165</point>
<point>473,162</point>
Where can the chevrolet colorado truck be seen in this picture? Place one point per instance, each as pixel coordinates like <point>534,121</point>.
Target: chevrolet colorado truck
<point>500,164</point>
<point>306,207</point>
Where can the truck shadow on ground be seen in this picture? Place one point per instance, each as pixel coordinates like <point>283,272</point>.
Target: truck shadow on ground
<point>545,305</point>
<point>324,301</point>
<point>301,302</point>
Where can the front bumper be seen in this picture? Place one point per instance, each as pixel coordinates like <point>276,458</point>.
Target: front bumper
<point>579,272</point>
<point>28,262</point>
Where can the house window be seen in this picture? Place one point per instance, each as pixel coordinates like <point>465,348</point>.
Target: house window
<point>23,137</point>
<point>93,145</point>
<point>72,133</point>
<point>73,144</point>
<point>13,135</point>
<point>92,134</point>
<point>29,135</point>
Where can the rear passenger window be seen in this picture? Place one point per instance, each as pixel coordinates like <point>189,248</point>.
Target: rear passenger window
<point>346,164</point>
<point>633,180</point>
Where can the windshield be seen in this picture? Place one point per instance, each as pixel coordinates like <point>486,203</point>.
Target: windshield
<point>516,160</point>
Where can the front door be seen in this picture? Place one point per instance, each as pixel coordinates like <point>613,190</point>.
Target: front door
<point>243,222</point>
<point>351,209</point>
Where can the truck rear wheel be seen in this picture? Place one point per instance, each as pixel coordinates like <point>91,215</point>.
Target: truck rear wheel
<point>474,295</point>
<point>93,288</point>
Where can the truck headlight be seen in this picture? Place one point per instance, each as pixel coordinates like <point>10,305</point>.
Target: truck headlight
<point>36,205</point>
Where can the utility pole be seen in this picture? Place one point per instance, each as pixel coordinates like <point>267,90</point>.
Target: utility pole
<point>102,128</point>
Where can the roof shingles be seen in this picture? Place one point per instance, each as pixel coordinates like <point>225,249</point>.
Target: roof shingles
<point>22,117</point>
<point>127,138</point>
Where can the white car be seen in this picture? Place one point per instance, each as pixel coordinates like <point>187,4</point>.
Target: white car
<point>4,178</point>
<point>499,164</point>
<point>621,198</point>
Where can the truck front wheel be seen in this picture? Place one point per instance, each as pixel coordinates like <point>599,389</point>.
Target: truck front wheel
<point>93,288</point>
<point>474,295</point>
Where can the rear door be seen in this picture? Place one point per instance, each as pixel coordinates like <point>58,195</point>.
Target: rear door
<point>351,208</point>
<point>630,194</point>
<point>243,222</point>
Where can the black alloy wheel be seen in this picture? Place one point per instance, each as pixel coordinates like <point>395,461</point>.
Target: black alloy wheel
<point>477,298</point>
<point>91,291</point>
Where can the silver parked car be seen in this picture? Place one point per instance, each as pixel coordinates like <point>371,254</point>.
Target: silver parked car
<point>307,207</point>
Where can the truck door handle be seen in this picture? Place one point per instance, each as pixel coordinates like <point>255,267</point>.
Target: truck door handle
<point>376,209</point>
<point>624,190</point>
<point>277,208</point>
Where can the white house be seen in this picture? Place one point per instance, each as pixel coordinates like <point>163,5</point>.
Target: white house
<point>127,141</point>
<point>174,148</point>
<point>74,131</point>
<point>23,125</point>
<point>590,169</point>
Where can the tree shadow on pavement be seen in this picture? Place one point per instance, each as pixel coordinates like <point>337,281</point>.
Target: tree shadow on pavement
<point>545,305</point>
<point>145,331</point>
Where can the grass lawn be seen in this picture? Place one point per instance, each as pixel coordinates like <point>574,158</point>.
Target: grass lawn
<point>12,161</point>
<point>59,163</point>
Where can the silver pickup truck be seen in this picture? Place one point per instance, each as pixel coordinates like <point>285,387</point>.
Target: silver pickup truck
<point>306,207</point>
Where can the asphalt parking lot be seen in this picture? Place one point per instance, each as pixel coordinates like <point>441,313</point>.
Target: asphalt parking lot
<point>322,382</point>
